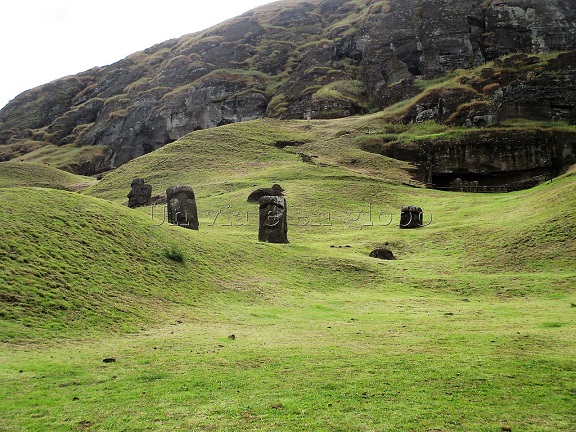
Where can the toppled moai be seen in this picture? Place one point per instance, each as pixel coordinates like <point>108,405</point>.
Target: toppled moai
<point>464,186</point>
<point>411,217</point>
<point>273,221</point>
<point>181,203</point>
<point>382,253</point>
<point>275,190</point>
<point>139,194</point>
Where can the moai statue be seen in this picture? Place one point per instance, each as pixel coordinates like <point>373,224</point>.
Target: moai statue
<point>275,190</point>
<point>182,210</point>
<point>273,221</point>
<point>411,217</point>
<point>456,184</point>
<point>382,253</point>
<point>140,193</point>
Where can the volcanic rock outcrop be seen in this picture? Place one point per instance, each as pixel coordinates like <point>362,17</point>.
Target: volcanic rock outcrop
<point>307,59</point>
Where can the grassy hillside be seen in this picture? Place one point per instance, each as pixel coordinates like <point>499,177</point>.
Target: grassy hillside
<point>471,328</point>
<point>17,174</point>
<point>240,156</point>
<point>76,264</point>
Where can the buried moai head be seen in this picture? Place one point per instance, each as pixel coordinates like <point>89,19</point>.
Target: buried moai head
<point>411,217</point>
<point>273,221</point>
<point>382,253</point>
<point>275,190</point>
<point>139,194</point>
<point>181,203</point>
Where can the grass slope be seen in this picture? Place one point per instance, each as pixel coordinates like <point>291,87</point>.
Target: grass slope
<point>237,157</point>
<point>18,174</point>
<point>74,263</point>
<point>471,328</point>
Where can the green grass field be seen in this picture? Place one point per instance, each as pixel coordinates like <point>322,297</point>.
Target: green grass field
<point>470,329</point>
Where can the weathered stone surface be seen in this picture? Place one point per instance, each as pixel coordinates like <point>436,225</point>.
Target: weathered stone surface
<point>548,93</point>
<point>275,190</point>
<point>382,253</point>
<point>182,210</point>
<point>411,217</point>
<point>492,159</point>
<point>273,220</point>
<point>140,193</point>
<point>520,86</point>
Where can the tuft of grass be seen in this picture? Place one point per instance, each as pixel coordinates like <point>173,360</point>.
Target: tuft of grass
<point>345,90</point>
<point>174,253</point>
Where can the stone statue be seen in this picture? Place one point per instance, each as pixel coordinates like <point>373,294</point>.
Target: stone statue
<point>411,217</point>
<point>140,193</point>
<point>273,221</point>
<point>182,210</point>
<point>382,253</point>
<point>275,190</point>
<point>456,184</point>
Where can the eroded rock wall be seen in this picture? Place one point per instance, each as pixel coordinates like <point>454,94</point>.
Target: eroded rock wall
<point>498,157</point>
<point>318,59</point>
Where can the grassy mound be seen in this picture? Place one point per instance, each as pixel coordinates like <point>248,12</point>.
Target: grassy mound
<point>75,263</point>
<point>240,156</point>
<point>18,174</point>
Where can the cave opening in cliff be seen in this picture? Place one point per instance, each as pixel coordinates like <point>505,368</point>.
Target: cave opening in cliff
<point>493,181</point>
<point>449,180</point>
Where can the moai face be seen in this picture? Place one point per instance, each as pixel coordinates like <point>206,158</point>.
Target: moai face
<point>411,217</point>
<point>181,203</point>
<point>273,222</point>
<point>140,193</point>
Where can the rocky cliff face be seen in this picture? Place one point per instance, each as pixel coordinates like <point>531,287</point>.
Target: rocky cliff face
<point>498,157</point>
<point>518,86</point>
<point>295,59</point>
